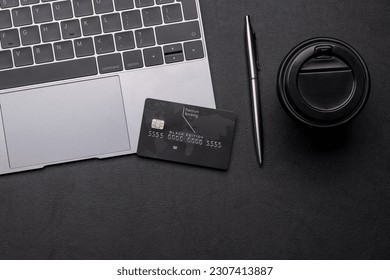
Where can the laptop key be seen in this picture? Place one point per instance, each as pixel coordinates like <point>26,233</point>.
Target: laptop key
<point>9,38</point>
<point>84,47</point>
<point>111,23</point>
<point>178,32</point>
<point>5,60</point>
<point>172,13</point>
<point>189,9</point>
<point>30,35</point>
<point>82,8</point>
<point>63,50</point>
<point>103,6</point>
<point>133,60</point>
<point>91,26</point>
<point>9,3</point>
<point>50,32</point>
<point>121,5</point>
<point>152,16</point>
<point>5,19</point>
<point>22,16</point>
<point>153,56</point>
<point>161,2</point>
<point>23,57</point>
<point>110,63</point>
<point>124,41</point>
<point>48,73</point>
<point>145,37</point>
<point>194,50</point>
<point>144,3</point>
<point>173,53</point>
<point>104,44</point>
<point>42,13</point>
<point>70,29</point>
<point>62,10</point>
<point>173,58</point>
<point>43,53</point>
<point>131,19</point>
<point>175,48</point>
<point>29,2</point>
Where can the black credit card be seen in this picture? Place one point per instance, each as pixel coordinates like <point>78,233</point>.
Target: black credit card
<point>186,134</point>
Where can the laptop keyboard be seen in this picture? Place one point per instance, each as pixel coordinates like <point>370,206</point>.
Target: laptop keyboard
<point>46,41</point>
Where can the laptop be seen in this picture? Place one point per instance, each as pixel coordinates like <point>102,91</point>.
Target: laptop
<point>74,75</point>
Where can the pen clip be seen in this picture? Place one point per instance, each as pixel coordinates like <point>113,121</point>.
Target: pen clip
<point>258,65</point>
<point>255,50</point>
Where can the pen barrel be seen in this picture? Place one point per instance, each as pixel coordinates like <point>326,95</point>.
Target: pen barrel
<point>256,113</point>
<point>252,59</point>
<point>252,66</point>
<point>251,52</point>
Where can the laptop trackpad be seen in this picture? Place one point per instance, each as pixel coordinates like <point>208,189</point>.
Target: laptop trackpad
<point>65,122</point>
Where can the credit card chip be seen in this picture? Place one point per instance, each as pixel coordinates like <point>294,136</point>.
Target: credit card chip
<point>158,124</point>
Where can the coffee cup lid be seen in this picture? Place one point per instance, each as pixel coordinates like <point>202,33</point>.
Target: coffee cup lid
<point>323,82</point>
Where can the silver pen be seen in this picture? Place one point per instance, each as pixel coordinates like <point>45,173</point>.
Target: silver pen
<point>250,40</point>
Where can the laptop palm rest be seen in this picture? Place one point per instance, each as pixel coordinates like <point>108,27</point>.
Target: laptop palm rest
<point>65,122</point>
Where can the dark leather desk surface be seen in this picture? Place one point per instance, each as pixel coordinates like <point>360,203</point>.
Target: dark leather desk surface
<point>318,195</point>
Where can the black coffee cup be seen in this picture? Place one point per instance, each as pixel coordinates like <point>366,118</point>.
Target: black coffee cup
<point>323,82</point>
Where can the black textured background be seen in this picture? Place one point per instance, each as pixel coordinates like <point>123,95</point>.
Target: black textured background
<point>318,195</point>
